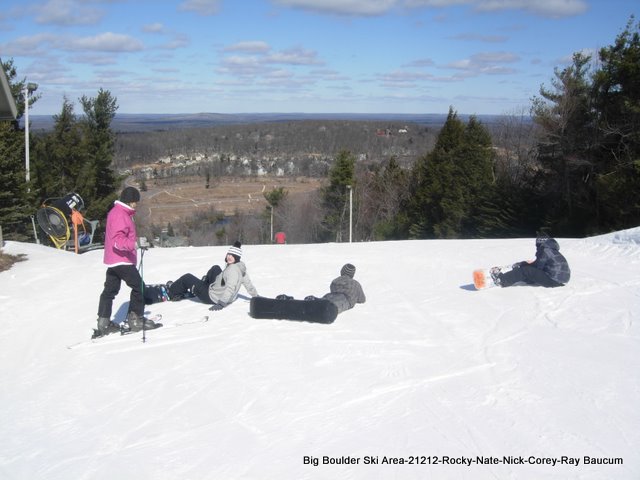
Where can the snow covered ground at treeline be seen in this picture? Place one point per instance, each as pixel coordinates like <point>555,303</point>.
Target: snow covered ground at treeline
<point>516,383</point>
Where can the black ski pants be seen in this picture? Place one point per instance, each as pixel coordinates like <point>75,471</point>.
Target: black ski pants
<point>190,284</point>
<point>529,275</point>
<point>115,276</point>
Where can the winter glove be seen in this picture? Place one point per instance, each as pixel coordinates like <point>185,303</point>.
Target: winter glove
<point>215,307</point>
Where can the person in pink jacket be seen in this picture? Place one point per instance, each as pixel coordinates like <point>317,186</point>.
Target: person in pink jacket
<point>120,257</point>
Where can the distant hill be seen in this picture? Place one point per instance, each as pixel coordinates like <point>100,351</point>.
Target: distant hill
<point>133,122</point>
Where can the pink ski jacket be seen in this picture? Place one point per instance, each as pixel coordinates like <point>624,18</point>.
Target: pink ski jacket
<point>120,239</point>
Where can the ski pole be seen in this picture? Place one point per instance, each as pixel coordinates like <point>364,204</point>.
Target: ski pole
<point>141,270</point>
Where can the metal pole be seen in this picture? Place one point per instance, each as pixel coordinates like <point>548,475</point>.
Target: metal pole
<point>26,132</point>
<point>35,231</point>
<point>350,213</point>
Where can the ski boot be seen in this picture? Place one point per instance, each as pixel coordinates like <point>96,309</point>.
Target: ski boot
<point>105,327</point>
<point>164,292</point>
<point>135,323</point>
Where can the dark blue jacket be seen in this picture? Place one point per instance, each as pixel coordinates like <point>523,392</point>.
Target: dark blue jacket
<point>551,261</point>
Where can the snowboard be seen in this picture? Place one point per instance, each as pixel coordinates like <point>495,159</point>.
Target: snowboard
<point>316,311</point>
<point>482,277</point>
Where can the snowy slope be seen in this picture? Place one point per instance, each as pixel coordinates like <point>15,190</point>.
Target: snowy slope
<point>428,368</point>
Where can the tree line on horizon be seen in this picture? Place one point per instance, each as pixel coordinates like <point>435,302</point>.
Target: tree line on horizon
<point>573,171</point>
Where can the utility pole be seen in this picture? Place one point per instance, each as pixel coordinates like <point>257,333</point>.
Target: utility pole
<point>350,213</point>
<point>28,89</point>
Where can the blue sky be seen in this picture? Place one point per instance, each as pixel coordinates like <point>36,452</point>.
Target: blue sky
<point>312,56</point>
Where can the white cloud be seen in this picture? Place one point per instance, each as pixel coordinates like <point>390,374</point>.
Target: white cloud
<point>28,45</point>
<point>243,65</point>
<point>66,13</point>
<point>255,58</point>
<point>294,56</point>
<point>342,7</point>
<point>96,59</point>
<point>42,43</point>
<point>403,76</point>
<point>177,41</point>
<point>437,3</point>
<point>420,63</point>
<point>104,42</point>
<point>490,63</point>
<point>153,28</point>
<point>545,8</point>
<point>475,37</point>
<point>202,7</point>
<point>249,46</point>
<point>495,57</point>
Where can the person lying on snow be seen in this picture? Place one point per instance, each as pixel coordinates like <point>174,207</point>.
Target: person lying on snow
<point>218,287</point>
<point>549,269</point>
<point>344,291</point>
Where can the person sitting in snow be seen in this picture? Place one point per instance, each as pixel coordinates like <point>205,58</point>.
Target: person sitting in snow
<point>344,291</point>
<point>218,287</point>
<point>120,256</point>
<point>549,269</point>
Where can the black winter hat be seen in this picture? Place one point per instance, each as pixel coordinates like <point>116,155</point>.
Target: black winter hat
<point>130,195</point>
<point>348,270</point>
<point>542,239</point>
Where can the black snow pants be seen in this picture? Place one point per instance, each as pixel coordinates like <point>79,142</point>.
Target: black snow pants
<point>529,275</point>
<point>115,276</point>
<point>189,284</point>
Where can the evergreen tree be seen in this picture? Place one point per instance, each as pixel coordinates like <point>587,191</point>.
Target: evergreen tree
<point>335,195</point>
<point>565,150</point>
<point>274,198</point>
<point>475,166</point>
<point>17,89</point>
<point>385,195</point>
<point>17,202</point>
<point>617,100</point>
<point>590,147</point>
<point>97,181</point>
<point>451,183</point>
<point>59,155</point>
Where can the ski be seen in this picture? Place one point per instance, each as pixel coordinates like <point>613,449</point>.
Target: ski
<point>155,318</point>
<point>205,318</point>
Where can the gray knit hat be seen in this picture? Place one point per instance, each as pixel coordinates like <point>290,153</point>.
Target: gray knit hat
<point>348,270</point>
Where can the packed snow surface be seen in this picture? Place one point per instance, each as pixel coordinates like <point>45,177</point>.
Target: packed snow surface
<point>428,379</point>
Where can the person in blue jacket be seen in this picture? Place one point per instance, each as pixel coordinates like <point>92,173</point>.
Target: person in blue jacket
<point>549,269</point>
